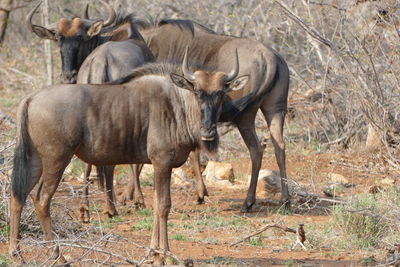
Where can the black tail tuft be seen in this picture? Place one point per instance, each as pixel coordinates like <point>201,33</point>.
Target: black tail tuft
<point>22,154</point>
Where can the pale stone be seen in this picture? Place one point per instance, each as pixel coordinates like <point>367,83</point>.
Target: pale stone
<point>387,181</point>
<point>181,178</point>
<point>373,141</point>
<point>338,178</point>
<point>216,171</point>
<point>268,185</point>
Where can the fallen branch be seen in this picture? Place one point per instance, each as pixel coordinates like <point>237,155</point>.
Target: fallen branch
<point>300,234</point>
<point>133,262</point>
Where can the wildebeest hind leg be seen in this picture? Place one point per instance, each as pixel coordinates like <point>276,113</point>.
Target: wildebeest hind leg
<point>133,190</point>
<point>50,179</point>
<point>35,170</point>
<point>275,123</point>
<point>200,186</point>
<point>84,208</point>
<point>247,130</point>
<point>109,177</point>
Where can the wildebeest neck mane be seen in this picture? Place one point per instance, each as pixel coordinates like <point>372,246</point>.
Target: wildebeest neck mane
<point>122,19</point>
<point>148,69</point>
<point>183,24</point>
<point>159,68</point>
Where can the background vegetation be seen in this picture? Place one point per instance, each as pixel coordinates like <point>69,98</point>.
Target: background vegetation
<point>345,89</point>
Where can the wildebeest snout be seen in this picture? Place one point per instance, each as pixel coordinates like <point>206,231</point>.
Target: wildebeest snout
<point>69,77</point>
<point>209,133</point>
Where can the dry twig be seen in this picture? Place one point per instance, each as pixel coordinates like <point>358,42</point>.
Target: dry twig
<point>300,234</point>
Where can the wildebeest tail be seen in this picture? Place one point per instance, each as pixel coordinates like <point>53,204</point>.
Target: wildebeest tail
<point>22,154</point>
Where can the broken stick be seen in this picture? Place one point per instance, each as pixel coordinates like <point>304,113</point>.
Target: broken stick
<point>301,235</point>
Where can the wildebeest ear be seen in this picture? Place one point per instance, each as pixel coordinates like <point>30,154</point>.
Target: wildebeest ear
<point>181,82</point>
<point>95,28</point>
<point>238,83</point>
<point>44,33</point>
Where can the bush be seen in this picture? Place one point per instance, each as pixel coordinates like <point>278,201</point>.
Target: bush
<point>366,220</point>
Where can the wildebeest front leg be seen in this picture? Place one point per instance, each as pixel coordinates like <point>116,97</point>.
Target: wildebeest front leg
<point>200,186</point>
<point>162,205</point>
<point>133,190</point>
<point>247,130</point>
<point>109,176</point>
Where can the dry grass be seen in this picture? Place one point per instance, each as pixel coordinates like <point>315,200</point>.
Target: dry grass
<point>335,93</point>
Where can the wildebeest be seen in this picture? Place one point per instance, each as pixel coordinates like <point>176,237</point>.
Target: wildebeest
<point>78,37</point>
<point>111,61</point>
<point>146,117</point>
<point>267,88</point>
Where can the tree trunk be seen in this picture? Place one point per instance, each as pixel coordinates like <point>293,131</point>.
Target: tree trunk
<point>5,8</point>
<point>47,45</point>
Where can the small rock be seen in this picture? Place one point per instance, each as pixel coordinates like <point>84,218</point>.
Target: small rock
<point>180,177</point>
<point>216,171</point>
<point>373,141</point>
<point>268,185</point>
<point>338,178</point>
<point>387,182</point>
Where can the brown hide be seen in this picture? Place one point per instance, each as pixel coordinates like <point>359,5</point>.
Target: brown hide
<point>113,60</point>
<point>148,119</point>
<point>267,89</point>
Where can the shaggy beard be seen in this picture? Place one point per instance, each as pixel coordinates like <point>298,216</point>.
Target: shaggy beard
<point>210,147</point>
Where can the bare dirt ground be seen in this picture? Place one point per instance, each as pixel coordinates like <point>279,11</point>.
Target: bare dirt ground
<point>204,233</point>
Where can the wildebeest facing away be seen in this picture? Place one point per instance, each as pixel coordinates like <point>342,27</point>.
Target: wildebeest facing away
<point>267,88</point>
<point>154,120</point>
<point>119,49</point>
<point>78,37</point>
<point>108,62</point>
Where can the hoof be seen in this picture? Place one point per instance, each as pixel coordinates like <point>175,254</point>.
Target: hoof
<point>139,205</point>
<point>84,214</point>
<point>13,251</point>
<point>200,200</point>
<point>246,207</point>
<point>85,220</point>
<point>160,260</point>
<point>201,197</point>
<point>111,214</point>
<point>123,200</point>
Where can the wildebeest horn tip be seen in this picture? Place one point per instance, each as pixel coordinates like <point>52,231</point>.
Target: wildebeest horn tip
<point>186,72</point>
<point>111,14</point>
<point>232,75</point>
<point>28,19</point>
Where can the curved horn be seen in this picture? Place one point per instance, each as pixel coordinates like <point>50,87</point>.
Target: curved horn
<point>86,12</point>
<point>232,75</point>
<point>111,14</point>
<point>186,72</point>
<point>28,19</point>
